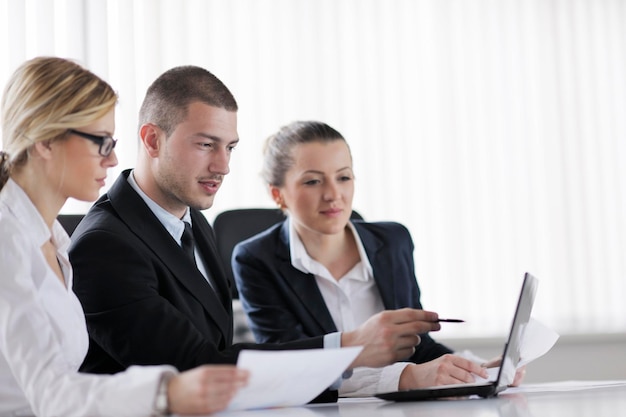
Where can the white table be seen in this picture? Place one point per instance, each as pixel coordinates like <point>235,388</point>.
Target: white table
<point>590,402</point>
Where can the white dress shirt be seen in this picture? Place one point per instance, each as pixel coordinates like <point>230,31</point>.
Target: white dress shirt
<point>43,336</point>
<point>351,300</point>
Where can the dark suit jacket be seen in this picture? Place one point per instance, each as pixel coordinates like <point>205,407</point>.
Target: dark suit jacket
<point>285,304</point>
<point>145,302</point>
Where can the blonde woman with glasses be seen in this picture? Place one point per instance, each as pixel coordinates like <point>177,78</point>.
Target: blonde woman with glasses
<point>57,128</point>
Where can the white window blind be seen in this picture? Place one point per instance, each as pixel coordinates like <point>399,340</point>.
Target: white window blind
<point>493,129</point>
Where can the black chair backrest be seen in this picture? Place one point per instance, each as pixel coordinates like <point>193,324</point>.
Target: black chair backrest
<point>70,221</point>
<point>234,226</point>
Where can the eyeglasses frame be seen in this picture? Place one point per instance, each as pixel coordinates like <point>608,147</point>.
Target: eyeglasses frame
<point>100,140</point>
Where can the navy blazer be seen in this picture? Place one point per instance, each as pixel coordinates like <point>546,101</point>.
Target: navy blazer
<point>145,301</point>
<point>285,304</point>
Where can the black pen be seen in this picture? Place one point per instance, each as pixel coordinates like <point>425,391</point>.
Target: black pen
<point>450,320</point>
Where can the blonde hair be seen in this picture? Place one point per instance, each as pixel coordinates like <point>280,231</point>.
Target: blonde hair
<point>44,98</point>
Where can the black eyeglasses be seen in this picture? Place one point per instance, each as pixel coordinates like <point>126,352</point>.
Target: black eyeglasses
<point>107,143</point>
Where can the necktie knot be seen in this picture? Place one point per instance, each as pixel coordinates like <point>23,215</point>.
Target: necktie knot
<point>187,242</point>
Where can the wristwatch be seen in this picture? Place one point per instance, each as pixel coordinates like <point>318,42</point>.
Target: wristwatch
<point>161,405</point>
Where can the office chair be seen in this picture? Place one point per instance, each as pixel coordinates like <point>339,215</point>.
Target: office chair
<point>70,221</point>
<point>234,226</point>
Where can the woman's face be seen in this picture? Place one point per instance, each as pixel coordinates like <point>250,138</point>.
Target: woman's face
<point>318,188</point>
<point>84,170</point>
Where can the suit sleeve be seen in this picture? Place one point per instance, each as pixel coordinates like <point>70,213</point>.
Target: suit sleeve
<point>265,301</point>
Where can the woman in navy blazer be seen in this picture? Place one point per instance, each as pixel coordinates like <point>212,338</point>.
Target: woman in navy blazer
<point>318,272</point>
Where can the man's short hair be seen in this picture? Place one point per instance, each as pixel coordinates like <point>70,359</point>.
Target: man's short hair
<point>169,96</point>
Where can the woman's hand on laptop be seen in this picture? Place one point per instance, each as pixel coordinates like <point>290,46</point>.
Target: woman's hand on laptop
<point>520,373</point>
<point>445,370</point>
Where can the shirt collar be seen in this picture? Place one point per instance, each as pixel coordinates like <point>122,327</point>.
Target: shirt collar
<point>29,218</point>
<point>301,260</point>
<point>172,224</point>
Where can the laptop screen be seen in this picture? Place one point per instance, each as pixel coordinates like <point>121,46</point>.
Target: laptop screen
<point>521,318</point>
<point>510,359</point>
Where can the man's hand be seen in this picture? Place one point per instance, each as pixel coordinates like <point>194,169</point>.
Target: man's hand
<point>447,369</point>
<point>390,336</point>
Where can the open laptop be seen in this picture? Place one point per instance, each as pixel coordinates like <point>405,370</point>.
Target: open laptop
<point>511,356</point>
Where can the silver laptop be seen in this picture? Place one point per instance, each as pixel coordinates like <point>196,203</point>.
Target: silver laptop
<point>511,356</point>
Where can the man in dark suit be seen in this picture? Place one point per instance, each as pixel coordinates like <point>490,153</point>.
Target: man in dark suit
<point>147,300</point>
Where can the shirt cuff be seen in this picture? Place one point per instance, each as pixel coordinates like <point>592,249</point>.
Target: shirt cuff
<point>390,377</point>
<point>333,341</point>
<point>367,382</point>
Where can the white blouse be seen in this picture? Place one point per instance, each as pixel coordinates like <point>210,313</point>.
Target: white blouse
<point>43,336</point>
<point>350,300</point>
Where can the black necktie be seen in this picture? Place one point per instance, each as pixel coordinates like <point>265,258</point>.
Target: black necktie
<point>188,242</point>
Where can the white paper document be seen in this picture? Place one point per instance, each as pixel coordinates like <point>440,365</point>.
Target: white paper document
<point>282,378</point>
<point>562,386</point>
<point>537,341</point>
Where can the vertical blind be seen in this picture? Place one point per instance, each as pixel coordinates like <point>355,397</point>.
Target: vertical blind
<point>495,130</point>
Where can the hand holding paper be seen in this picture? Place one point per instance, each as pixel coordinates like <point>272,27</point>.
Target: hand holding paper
<point>289,378</point>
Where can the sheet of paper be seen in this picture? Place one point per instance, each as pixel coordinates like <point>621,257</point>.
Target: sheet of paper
<point>537,341</point>
<point>289,377</point>
<point>305,411</point>
<point>560,386</point>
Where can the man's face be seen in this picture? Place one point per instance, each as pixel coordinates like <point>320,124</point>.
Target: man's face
<point>193,161</point>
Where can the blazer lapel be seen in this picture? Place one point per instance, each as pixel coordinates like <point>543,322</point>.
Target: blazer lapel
<point>142,222</point>
<point>303,285</point>
<point>381,268</point>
